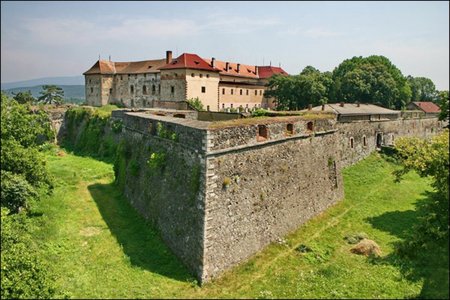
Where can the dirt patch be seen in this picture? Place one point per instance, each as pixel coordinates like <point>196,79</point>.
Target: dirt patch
<point>366,247</point>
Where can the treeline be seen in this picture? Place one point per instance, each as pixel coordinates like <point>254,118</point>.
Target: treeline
<point>372,79</point>
<point>50,94</point>
<point>24,180</point>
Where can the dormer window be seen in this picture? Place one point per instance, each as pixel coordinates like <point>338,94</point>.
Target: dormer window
<point>196,62</point>
<point>149,67</point>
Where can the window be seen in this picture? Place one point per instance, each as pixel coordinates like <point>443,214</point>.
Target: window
<point>201,75</point>
<point>256,92</point>
<point>144,90</point>
<point>223,91</point>
<point>110,91</point>
<point>262,133</point>
<point>207,107</point>
<point>364,141</point>
<point>351,143</point>
<point>232,91</point>
<point>240,92</point>
<point>290,128</point>
<point>192,75</point>
<point>92,90</point>
<point>153,89</point>
<point>203,89</point>
<point>89,81</point>
<point>175,74</point>
<point>310,126</point>
<point>159,88</point>
<point>121,78</point>
<point>260,92</point>
<point>172,89</point>
<point>182,116</point>
<point>223,105</point>
<point>231,105</point>
<point>247,92</point>
<point>207,75</point>
<point>135,76</point>
<point>131,89</point>
<point>145,75</point>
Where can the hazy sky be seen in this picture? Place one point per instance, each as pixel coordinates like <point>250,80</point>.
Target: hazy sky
<point>42,39</point>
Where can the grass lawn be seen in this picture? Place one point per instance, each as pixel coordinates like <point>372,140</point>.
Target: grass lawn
<point>99,247</point>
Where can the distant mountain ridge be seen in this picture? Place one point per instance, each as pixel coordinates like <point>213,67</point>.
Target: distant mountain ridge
<point>72,93</point>
<point>62,80</point>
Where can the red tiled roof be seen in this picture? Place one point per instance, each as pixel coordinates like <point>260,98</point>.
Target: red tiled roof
<point>134,67</point>
<point>188,61</point>
<point>244,70</point>
<point>428,107</point>
<point>268,71</point>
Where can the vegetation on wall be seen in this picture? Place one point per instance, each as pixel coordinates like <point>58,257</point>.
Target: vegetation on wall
<point>87,132</point>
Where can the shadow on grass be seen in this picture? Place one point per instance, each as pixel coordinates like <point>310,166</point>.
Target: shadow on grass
<point>140,242</point>
<point>429,263</point>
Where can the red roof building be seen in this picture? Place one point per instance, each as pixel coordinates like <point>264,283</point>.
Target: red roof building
<point>426,107</point>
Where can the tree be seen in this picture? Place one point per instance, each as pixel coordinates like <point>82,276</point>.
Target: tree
<point>298,91</point>
<point>51,94</point>
<point>429,158</point>
<point>443,104</point>
<point>422,89</point>
<point>372,79</point>
<point>24,97</point>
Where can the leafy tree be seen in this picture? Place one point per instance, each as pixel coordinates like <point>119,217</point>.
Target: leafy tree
<point>422,89</point>
<point>429,158</point>
<point>443,104</point>
<point>296,92</point>
<point>19,123</point>
<point>24,97</point>
<point>372,79</point>
<point>51,94</point>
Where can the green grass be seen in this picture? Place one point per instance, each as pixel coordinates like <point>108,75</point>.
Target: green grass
<point>99,247</point>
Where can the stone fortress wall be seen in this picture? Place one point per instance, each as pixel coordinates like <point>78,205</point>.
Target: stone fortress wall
<point>226,190</point>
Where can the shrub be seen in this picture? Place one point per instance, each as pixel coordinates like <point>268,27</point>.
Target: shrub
<point>196,104</point>
<point>16,192</point>
<point>24,275</point>
<point>25,161</point>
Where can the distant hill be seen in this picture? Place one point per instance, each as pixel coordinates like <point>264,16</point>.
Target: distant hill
<point>63,80</point>
<point>72,93</point>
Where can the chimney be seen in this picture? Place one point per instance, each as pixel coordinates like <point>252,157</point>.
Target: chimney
<point>227,66</point>
<point>238,67</point>
<point>256,70</point>
<point>323,106</point>
<point>213,62</point>
<point>168,57</point>
<point>342,104</point>
<point>309,106</point>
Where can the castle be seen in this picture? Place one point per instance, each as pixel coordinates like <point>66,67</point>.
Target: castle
<point>168,82</point>
<point>220,191</point>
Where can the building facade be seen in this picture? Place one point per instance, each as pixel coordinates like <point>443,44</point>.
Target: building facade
<point>219,85</point>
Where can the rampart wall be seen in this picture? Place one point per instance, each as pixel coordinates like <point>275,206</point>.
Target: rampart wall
<point>220,192</point>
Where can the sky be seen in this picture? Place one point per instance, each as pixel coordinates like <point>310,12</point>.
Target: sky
<point>46,39</point>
